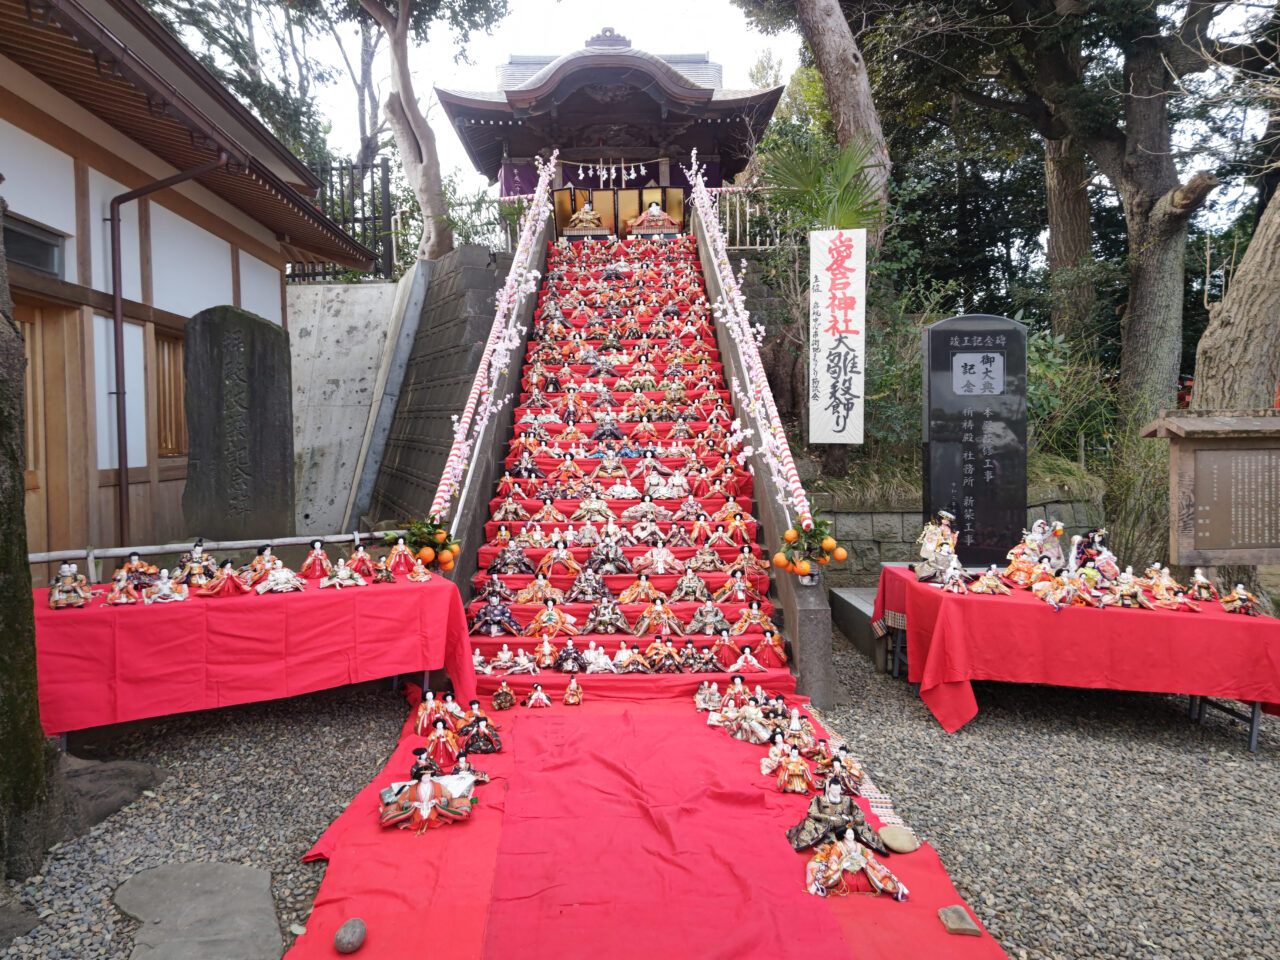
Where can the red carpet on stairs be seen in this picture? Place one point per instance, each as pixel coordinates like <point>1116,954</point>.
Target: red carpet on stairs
<point>625,827</point>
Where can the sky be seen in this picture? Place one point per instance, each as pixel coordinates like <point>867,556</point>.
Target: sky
<point>556,27</point>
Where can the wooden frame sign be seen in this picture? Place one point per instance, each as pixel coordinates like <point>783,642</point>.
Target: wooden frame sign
<point>1224,485</point>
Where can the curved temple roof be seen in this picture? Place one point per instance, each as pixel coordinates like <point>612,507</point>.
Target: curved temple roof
<point>567,100</point>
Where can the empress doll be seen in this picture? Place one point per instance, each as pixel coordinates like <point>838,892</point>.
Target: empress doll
<point>442,744</point>
<point>747,661</point>
<point>400,559</point>
<point>752,617</point>
<point>360,562</point>
<point>538,698</point>
<point>824,874</point>
<point>226,583</point>
<point>658,618</point>
<point>770,763</point>
<point>317,564</point>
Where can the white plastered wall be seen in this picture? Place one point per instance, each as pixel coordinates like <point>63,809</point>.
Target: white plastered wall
<point>190,267</point>
<point>259,287</point>
<point>40,185</point>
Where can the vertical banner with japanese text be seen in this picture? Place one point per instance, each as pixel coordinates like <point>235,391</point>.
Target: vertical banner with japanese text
<point>837,335</point>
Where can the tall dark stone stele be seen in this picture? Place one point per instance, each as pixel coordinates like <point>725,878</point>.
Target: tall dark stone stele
<point>239,402</point>
<point>975,431</point>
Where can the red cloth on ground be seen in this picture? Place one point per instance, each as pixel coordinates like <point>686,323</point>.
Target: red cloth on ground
<point>625,827</point>
<point>952,640</point>
<point>103,664</point>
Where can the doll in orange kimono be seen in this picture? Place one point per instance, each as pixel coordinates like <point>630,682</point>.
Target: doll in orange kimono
<point>442,744</point>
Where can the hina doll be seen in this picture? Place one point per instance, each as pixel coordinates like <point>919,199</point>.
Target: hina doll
<point>747,661</point>
<point>510,560</point>
<point>342,576</point>
<point>831,809</point>
<point>522,663</point>
<point>954,578</point>
<point>463,766</point>
<point>561,556</point>
<point>538,697</point>
<point>989,582</point>
<point>442,744</point>
<point>399,560</point>
<point>608,558</point>
<point>799,733</point>
<point>570,659</point>
<point>753,617</point>
<point>471,719</point>
<point>1126,592</point>
<point>360,562</point>
<point>662,656</point>
<point>724,649</point>
<point>1202,587</point>
<point>749,725</point>
<point>452,711</point>
<point>606,617</point>
<point>495,587</point>
<point>482,739</point>
<point>510,509</point>
<point>633,661</point>
<point>593,509</point>
<point>428,803</point>
<point>776,645</point>
<point>226,583</point>
<point>771,761</point>
<point>548,513</point>
<point>503,698</point>
<point>317,564</point>
<point>707,619</point>
<point>539,590</point>
<point>419,573</point>
<point>588,587</point>
<point>140,574</point>
<point>429,711</point>
<point>657,618</point>
<point>165,590</point>
<point>793,774</point>
<point>123,592</point>
<point>658,559</point>
<point>573,693</point>
<point>195,568</point>
<point>281,580</point>
<point>544,654</point>
<point>747,562</point>
<point>1241,601</point>
<point>737,691</point>
<point>824,874</point>
<point>423,766</point>
<point>708,696</point>
<point>549,622</point>
<point>705,560</point>
<point>382,572</point>
<point>479,663</point>
<point>495,618</point>
<point>641,591</point>
<point>737,589</point>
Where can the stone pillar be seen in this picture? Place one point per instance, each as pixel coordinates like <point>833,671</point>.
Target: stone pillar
<point>239,402</point>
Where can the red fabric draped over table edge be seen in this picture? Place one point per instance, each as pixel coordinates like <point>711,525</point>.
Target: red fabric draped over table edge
<point>954,639</point>
<point>101,664</point>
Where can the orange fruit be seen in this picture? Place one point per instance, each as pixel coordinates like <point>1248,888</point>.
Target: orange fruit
<point>780,560</point>
<point>803,568</point>
<point>791,536</point>
<point>829,544</point>
<point>840,554</point>
<point>441,536</point>
<point>446,565</point>
<point>823,561</point>
<point>426,554</point>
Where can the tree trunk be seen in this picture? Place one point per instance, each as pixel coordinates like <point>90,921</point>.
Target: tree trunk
<point>1238,359</point>
<point>22,774</point>
<point>414,137</point>
<point>853,108</point>
<point>1070,240</point>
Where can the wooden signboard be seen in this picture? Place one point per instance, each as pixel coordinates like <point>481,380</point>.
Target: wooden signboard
<point>1224,486</point>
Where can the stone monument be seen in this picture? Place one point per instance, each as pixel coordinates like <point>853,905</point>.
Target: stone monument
<point>975,432</point>
<point>239,427</point>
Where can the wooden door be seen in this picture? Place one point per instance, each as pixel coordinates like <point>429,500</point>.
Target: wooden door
<point>30,317</point>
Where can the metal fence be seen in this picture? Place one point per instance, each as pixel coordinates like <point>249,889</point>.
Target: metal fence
<point>356,196</point>
<point>745,221</point>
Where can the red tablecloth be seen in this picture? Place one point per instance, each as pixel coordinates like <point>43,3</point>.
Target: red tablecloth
<point>952,640</point>
<point>102,664</point>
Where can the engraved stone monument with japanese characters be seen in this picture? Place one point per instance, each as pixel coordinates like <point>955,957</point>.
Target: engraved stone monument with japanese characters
<point>975,431</point>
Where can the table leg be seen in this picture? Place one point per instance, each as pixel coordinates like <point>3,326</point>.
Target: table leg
<point>1254,722</point>
<point>1191,706</point>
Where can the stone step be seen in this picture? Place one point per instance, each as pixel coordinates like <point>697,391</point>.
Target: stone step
<point>851,613</point>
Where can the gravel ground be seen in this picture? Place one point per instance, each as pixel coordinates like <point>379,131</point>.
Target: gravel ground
<point>1082,823</point>
<point>255,785</point>
<point>1076,823</point>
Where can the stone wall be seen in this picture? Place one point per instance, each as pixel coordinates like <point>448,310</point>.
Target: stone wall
<point>890,535</point>
<point>339,334</point>
<point>456,319</point>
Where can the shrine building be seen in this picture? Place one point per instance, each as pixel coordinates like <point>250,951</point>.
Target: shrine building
<point>625,123</point>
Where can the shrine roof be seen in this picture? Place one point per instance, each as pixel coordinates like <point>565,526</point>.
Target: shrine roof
<point>609,95</point>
